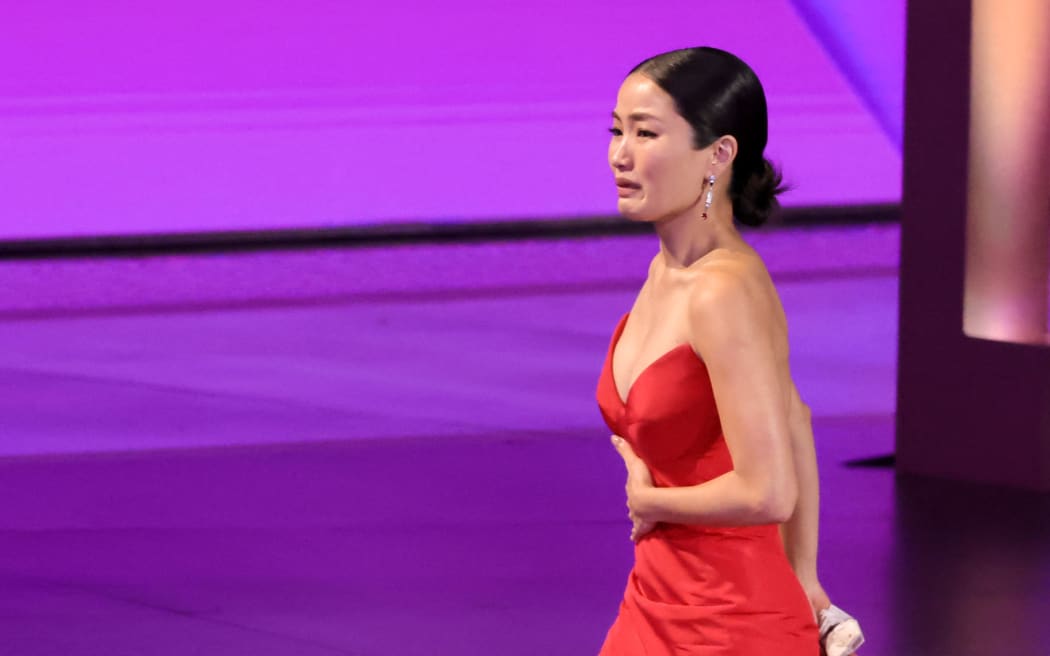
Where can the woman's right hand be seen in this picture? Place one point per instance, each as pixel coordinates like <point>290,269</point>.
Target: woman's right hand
<point>639,480</point>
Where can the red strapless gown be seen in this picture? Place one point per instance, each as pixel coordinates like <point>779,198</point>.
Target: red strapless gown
<point>697,590</point>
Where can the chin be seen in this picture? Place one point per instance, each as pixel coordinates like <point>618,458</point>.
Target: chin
<point>635,214</point>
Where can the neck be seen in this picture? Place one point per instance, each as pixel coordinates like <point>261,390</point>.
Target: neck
<point>686,238</point>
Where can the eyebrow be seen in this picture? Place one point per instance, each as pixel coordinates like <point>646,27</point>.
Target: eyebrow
<point>637,116</point>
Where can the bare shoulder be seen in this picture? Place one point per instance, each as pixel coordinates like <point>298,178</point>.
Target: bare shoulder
<point>731,280</point>
<point>732,299</point>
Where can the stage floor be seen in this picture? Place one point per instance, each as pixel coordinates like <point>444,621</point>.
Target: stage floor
<point>397,452</point>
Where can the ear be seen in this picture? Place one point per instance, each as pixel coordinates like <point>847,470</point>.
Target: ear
<point>725,149</point>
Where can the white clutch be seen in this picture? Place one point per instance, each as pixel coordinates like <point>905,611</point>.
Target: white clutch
<point>840,633</point>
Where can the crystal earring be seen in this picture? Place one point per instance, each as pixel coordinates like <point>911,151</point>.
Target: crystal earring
<point>707,199</point>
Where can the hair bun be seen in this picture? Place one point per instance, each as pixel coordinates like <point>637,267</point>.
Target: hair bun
<point>756,198</point>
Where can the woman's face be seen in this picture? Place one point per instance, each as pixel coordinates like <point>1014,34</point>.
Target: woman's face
<point>659,174</point>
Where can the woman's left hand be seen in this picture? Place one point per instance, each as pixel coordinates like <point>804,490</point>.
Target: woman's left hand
<point>639,482</point>
<point>818,599</point>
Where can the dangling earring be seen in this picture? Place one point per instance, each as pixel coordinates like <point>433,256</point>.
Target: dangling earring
<point>707,199</point>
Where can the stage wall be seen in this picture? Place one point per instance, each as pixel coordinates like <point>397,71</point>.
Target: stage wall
<point>128,117</point>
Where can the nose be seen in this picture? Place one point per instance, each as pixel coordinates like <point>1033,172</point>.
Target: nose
<point>619,154</point>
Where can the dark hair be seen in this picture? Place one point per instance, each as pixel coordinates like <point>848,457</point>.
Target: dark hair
<point>720,95</point>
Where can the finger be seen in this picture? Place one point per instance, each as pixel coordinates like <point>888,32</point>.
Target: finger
<point>631,461</point>
<point>622,446</point>
<point>641,529</point>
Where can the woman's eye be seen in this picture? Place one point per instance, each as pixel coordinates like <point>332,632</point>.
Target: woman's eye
<point>616,132</point>
<point>646,133</point>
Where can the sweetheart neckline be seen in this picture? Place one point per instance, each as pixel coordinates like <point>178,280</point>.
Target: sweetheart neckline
<point>625,401</point>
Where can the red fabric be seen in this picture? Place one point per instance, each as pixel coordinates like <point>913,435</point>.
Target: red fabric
<point>697,590</point>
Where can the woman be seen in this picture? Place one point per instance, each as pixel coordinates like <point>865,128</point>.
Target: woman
<point>716,439</point>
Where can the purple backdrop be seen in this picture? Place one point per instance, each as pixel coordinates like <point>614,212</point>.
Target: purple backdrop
<point>142,117</point>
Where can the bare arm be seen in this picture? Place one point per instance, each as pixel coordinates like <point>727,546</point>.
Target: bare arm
<point>799,533</point>
<point>733,328</point>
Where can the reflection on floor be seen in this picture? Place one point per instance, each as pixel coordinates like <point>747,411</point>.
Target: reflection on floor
<point>401,455</point>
